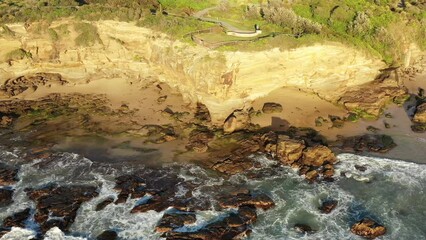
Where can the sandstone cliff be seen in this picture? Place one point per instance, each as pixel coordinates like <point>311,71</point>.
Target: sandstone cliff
<point>223,81</point>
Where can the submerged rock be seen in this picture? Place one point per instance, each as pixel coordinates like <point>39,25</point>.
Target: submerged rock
<point>58,205</point>
<point>368,228</point>
<point>108,235</point>
<point>328,206</point>
<point>5,197</point>
<point>18,219</point>
<point>271,107</point>
<point>303,228</point>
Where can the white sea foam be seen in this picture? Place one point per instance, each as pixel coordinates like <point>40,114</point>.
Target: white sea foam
<point>18,234</point>
<point>394,195</point>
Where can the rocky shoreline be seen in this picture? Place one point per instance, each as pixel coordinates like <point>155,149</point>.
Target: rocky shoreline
<point>40,124</point>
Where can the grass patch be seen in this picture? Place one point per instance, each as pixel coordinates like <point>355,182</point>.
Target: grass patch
<point>17,54</point>
<point>88,34</point>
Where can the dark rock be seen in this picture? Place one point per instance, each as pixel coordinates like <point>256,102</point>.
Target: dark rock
<point>328,205</point>
<point>104,203</point>
<point>241,199</point>
<point>129,185</point>
<point>387,125</point>
<point>368,228</point>
<point>237,160</point>
<point>303,228</point>
<point>337,121</point>
<point>157,203</point>
<point>202,113</point>
<point>198,140</point>
<point>372,143</point>
<point>8,175</point>
<point>108,235</point>
<point>61,202</point>
<point>361,168</point>
<point>271,107</point>
<point>3,231</point>
<point>18,219</point>
<point>372,129</point>
<point>247,213</point>
<point>5,197</point>
<point>418,128</point>
<point>171,221</point>
<point>215,231</point>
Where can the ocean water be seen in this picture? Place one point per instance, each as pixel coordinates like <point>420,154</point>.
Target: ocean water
<point>391,192</point>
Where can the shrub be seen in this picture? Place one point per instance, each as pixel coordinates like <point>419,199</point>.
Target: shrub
<point>276,12</point>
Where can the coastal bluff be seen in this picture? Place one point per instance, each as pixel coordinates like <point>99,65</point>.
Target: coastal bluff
<point>222,80</point>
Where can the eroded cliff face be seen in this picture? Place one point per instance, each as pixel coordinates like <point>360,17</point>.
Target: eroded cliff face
<point>224,81</point>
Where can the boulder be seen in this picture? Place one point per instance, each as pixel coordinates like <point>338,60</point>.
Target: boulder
<point>107,235</point>
<point>18,219</point>
<point>368,228</point>
<point>60,202</point>
<point>230,227</point>
<point>5,197</point>
<point>420,116</point>
<point>327,206</point>
<point>317,156</point>
<point>171,221</point>
<point>289,150</point>
<point>104,203</point>
<point>238,120</point>
<point>271,107</point>
<point>241,199</point>
<point>8,175</point>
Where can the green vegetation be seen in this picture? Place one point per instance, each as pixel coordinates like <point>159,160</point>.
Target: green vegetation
<point>88,34</point>
<point>174,26</point>
<point>187,4</point>
<point>380,27</point>
<point>17,54</point>
<point>53,34</point>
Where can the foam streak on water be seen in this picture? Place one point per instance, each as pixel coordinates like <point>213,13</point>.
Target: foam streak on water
<point>391,192</point>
